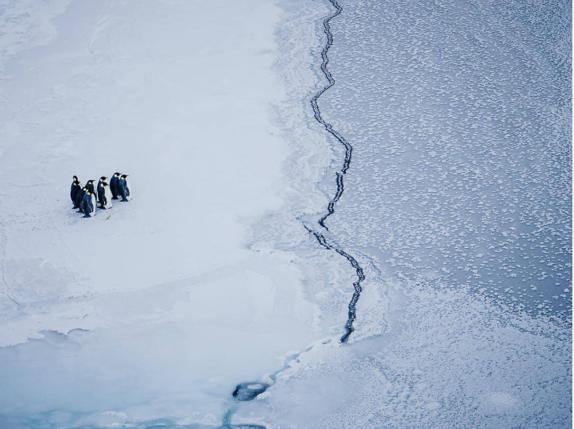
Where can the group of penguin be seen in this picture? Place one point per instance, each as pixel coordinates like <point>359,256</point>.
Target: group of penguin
<point>86,198</point>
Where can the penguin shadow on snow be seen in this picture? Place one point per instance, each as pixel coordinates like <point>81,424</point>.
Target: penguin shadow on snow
<point>87,199</point>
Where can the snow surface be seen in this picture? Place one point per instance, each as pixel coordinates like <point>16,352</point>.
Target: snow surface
<point>158,307</point>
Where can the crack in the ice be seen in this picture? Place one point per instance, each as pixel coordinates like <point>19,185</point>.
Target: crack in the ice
<point>352,307</point>
<point>339,175</point>
<point>250,391</point>
<point>319,117</point>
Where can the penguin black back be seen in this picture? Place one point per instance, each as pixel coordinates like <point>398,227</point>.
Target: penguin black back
<point>75,189</point>
<point>124,189</point>
<point>114,185</point>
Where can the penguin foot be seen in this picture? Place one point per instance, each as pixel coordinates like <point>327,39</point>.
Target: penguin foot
<point>114,198</point>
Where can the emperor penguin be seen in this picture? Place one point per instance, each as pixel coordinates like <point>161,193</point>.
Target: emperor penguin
<point>88,205</point>
<point>124,187</point>
<point>75,189</point>
<point>102,179</point>
<point>80,197</point>
<point>90,186</point>
<point>114,185</point>
<point>104,195</point>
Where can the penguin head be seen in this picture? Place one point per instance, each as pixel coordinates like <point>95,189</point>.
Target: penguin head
<point>90,181</point>
<point>124,176</point>
<point>103,178</point>
<point>75,178</point>
<point>116,174</point>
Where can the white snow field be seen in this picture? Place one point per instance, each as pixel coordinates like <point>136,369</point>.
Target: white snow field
<point>158,307</point>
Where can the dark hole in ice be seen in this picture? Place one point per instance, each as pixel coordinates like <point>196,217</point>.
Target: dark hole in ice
<point>249,391</point>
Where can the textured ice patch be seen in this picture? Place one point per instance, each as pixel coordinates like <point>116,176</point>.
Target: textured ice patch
<point>494,403</point>
<point>447,359</point>
<point>458,114</point>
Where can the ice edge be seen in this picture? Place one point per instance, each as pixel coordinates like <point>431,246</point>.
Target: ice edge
<point>244,391</point>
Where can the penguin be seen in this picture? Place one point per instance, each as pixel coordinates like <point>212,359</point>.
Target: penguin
<point>104,195</point>
<point>75,189</point>
<point>102,179</point>
<point>90,186</point>
<point>114,185</point>
<point>80,197</point>
<point>124,187</point>
<point>88,205</point>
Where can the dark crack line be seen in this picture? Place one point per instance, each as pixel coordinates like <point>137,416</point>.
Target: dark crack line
<point>319,117</point>
<point>245,391</point>
<point>357,288</point>
<point>339,175</point>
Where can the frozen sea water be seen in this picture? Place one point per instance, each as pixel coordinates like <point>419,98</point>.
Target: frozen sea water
<point>459,113</point>
<point>457,204</point>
